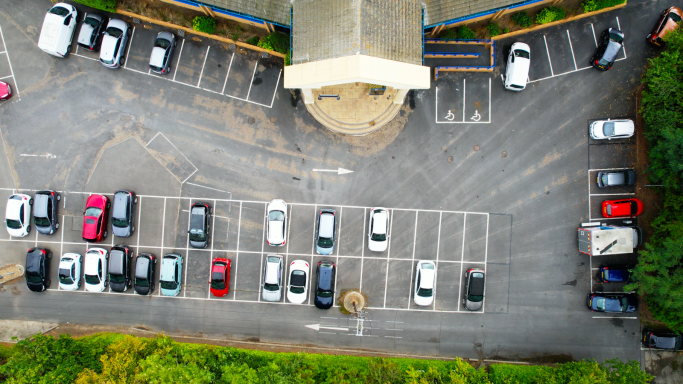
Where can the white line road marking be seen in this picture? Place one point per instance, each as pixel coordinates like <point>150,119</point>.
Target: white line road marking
<point>227,74</point>
<point>187,243</point>
<point>237,255</point>
<point>182,45</point>
<point>149,142</point>
<point>548,52</point>
<point>464,90</point>
<point>412,264</point>
<point>213,226</point>
<point>614,317</point>
<point>462,257</point>
<point>623,47</point>
<point>317,327</point>
<point>610,194</point>
<point>340,171</point>
<point>203,186</point>
<point>486,257</point>
<point>203,65</point>
<point>11,71</point>
<point>572,49</point>
<point>6,77</point>
<point>263,244</point>
<point>252,79</point>
<point>130,42</point>
<point>436,275</point>
<point>386,277</point>
<point>594,39</point>
<point>276,85</point>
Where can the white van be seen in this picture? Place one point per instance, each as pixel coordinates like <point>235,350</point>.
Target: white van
<point>517,71</point>
<point>58,30</point>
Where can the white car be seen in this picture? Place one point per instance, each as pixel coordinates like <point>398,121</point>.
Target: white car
<point>96,269</point>
<point>272,278</point>
<point>378,239</point>
<point>70,272</point>
<point>424,283</point>
<point>277,222</point>
<point>114,43</point>
<point>517,70</point>
<point>18,215</point>
<point>612,129</point>
<point>297,290</point>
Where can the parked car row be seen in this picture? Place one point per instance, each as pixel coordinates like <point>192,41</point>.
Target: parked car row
<point>109,37</point>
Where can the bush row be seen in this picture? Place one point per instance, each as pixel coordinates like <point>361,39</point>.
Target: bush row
<point>116,358</point>
<point>105,5</point>
<point>596,5</point>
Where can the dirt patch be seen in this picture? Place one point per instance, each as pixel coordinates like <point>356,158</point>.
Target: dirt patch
<point>182,16</point>
<point>10,273</point>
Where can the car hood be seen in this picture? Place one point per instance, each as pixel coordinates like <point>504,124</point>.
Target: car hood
<point>85,34</point>
<point>121,232</point>
<point>117,287</point>
<point>276,231</point>
<point>272,295</point>
<point>323,302</point>
<point>296,298</point>
<point>377,246</point>
<point>89,230</point>
<point>141,290</point>
<point>474,305</point>
<point>419,300</point>
<point>108,47</point>
<point>157,57</point>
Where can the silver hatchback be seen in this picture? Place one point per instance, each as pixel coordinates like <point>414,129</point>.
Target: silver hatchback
<point>272,278</point>
<point>114,42</point>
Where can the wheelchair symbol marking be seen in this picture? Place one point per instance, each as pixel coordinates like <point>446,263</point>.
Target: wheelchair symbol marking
<point>450,116</point>
<point>476,116</point>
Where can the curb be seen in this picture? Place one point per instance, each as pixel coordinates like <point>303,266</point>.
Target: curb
<point>361,129</point>
<point>192,31</point>
<point>551,24</point>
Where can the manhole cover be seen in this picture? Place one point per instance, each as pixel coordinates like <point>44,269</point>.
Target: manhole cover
<point>352,298</point>
<point>265,55</point>
<point>232,46</point>
<point>181,33</point>
<point>450,159</point>
<point>251,120</point>
<point>476,148</point>
<point>273,119</point>
<point>136,20</point>
<point>504,154</point>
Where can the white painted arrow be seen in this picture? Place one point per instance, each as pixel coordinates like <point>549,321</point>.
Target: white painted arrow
<point>340,171</point>
<point>318,327</point>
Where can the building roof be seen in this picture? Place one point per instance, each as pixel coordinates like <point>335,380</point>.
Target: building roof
<point>276,11</point>
<point>439,11</point>
<point>326,29</point>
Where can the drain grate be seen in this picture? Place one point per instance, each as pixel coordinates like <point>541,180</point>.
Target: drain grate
<point>265,55</point>
<point>181,33</point>
<point>232,46</point>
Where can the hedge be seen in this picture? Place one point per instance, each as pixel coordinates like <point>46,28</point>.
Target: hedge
<point>522,19</point>
<point>116,358</point>
<point>465,33</point>
<point>550,14</point>
<point>105,5</point>
<point>596,5</point>
<point>276,41</point>
<point>204,24</point>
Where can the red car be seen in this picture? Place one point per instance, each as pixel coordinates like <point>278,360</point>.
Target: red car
<point>622,208</point>
<point>220,277</point>
<point>95,218</point>
<point>5,91</point>
<point>668,21</point>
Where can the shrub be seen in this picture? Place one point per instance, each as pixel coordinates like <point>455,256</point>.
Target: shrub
<point>105,5</point>
<point>494,29</point>
<point>204,24</point>
<point>288,58</point>
<point>253,40</point>
<point>505,30</point>
<point>596,5</point>
<point>522,19</point>
<point>449,34</point>
<point>550,14</point>
<point>465,33</point>
<point>276,41</point>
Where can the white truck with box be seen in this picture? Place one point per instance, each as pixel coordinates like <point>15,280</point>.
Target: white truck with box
<point>58,30</point>
<point>600,239</point>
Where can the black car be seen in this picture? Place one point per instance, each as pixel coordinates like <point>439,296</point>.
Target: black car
<point>90,36</point>
<point>45,204</point>
<point>612,302</point>
<point>615,178</point>
<point>38,269</point>
<point>200,229</point>
<point>144,274</point>
<point>609,45</point>
<point>324,284</point>
<point>123,212</point>
<point>662,340</point>
<point>119,268</point>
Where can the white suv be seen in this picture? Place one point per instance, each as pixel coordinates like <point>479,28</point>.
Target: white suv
<point>277,222</point>
<point>272,278</point>
<point>378,238</point>
<point>18,215</point>
<point>96,270</point>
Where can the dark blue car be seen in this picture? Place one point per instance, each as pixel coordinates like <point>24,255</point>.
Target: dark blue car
<point>615,274</point>
<point>324,287</point>
<point>613,302</point>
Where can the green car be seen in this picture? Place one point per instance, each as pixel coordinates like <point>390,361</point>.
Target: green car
<point>171,272</point>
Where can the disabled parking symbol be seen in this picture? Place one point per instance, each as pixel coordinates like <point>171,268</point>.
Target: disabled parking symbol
<point>476,116</point>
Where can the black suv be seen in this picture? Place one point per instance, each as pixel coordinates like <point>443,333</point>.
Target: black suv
<point>662,340</point>
<point>609,45</point>
<point>200,229</point>
<point>38,269</point>
<point>119,268</point>
<point>324,284</point>
<point>123,212</point>
<point>144,274</point>
<point>45,211</point>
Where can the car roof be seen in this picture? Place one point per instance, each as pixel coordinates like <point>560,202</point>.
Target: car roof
<point>665,341</point>
<point>379,224</point>
<point>120,205</point>
<point>427,280</point>
<point>91,262</point>
<point>326,275</point>
<point>326,224</point>
<point>477,283</point>
<point>271,271</point>
<point>276,233</point>
<point>33,260</point>
<point>117,23</point>
<point>12,210</point>
<point>40,205</point>
<point>141,267</point>
<point>168,268</point>
<point>108,45</point>
<point>157,57</point>
<point>85,34</point>
<point>197,217</point>
<point>611,51</point>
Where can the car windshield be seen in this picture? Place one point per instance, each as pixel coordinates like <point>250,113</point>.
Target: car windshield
<point>675,17</point>
<point>520,53</point>
<point>65,276</point>
<point>91,22</point>
<point>116,278</point>
<point>41,221</point>
<point>324,242</point>
<point>378,237</point>
<point>162,43</point>
<point>33,278</point>
<point>113,31</point>
<point>61,11</point>
<point>154,67</point>
<point>14,224</point>
<point>634,207</point>
<point>324,293</point>
<point>141,282</point>
<point>197,235</point>
<point>121,223</point>
<point>608,129</point>
<point>427,266</point>
<point>599,303</point>
<point>609,209</point>
<point>270,287</point>
<point>93,212</point>
<point>605,179</point>
<point>615,37</point>
<point>624,304</point>
<point>276,216</point>
<point>92,279</point>
<point>424,292</point>
<point>217,281</point>
<point>169,285</point>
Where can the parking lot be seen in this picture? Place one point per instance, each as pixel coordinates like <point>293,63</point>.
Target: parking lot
<point>6,72</point>
<point>456,241</point>
<point>199,62</point>
<point>463,99</point>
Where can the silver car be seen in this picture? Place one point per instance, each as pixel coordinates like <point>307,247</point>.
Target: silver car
<point>114,42</point>
<point>474,289</point>
<point>612,129</point>
<point>272,278</point>
<point>160,59</point>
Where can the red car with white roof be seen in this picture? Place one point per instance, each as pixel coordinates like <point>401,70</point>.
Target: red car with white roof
<point>95,218</point>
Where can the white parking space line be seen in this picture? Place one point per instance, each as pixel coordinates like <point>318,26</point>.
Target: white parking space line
<point>462,257</point>
<point>486,257</point>
<point>548,53</point>
<point>386,276</point>
<point>615,317</point>
<point>187,243</point>
<point>412,264</point>
<point>182,45</point>
<point>227,74</point>
<point>213,226</point>
<point>263,244</point>
<point>594,39</point>
<point>252,79</point>
<point>623,47</point>
<point>203,65</point>
<point>362,251</point>
<point>130,42</point>
<point>276,85</point>
<point>438,241</point>
<point>237,255</point>
<point>572,49</point>
<point>11,71</point>
<point>6,77</point>
<point>464,99</point>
